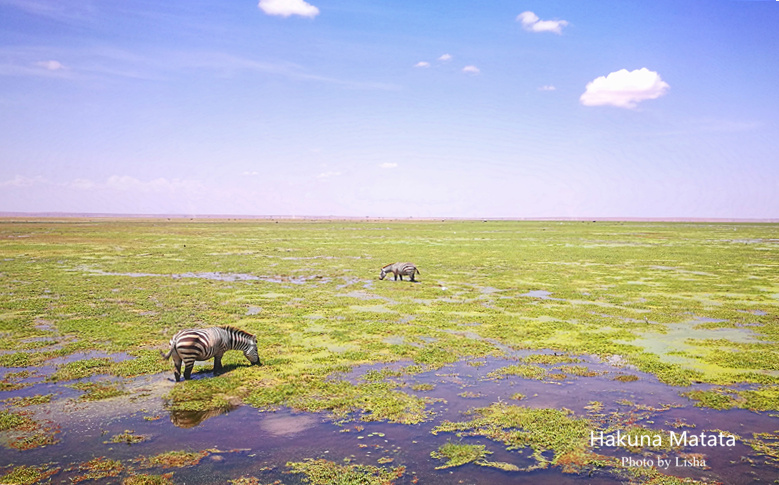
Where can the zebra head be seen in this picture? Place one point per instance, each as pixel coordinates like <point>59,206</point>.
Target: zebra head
<point>384,271</point>
<point>251,352</point>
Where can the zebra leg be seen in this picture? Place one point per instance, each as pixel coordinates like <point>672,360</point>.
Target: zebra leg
<point>217,364</point>
<point>401,277</point>
<point>412,278</point>
<point>188,369</point>
<point>177,364</point>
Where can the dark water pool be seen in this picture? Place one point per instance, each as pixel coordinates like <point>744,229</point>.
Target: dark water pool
<point>241,441</point>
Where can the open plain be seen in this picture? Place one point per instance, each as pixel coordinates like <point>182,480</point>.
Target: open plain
<point>522,348</point>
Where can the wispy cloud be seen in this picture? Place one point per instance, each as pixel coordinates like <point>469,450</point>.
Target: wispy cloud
<point>422,64</point>
<point>123,183</point>
<point>532,23</point>
<point>388,165</point>
<point>548,87</point>
<point>53,10</point>
<point>33,61</point>
<point>445,57</point>
<point>624,89</point>
<point>471,70</point>
<point>286,8</point>
<point>77,64</point>
<point>107,62</point>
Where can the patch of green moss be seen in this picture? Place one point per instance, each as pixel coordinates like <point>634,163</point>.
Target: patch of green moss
<point>144,479</point>
<point>436,357</point>
<point>97,390</point>
<point>671,374</point>
<point>458,454</point>
<point>550,359</point>
<point>129,437</point>
<point>763,399</point>
<point>80,369</point>
<point>520,370</point>
<point>28,475</point>
<point>765,359</point>
<point>17,359</point>
<point>324,472</point>
<point>423,387</point>
<point>173,459</point>
<point>97,468</point>
<point>144,362</point>
<point>9,420</point>
<point>541,429</point>
<point>579,370</point>
<point>29,400</point>
<point>626,378</point>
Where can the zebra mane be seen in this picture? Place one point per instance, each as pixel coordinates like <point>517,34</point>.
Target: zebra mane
<point>238,331</point>
<point>387,266</point>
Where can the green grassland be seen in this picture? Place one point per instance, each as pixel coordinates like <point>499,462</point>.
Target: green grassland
<point>317,307</point>
<point>686,302</point>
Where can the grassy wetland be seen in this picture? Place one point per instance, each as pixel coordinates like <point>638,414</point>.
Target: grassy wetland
<point>520,342</point>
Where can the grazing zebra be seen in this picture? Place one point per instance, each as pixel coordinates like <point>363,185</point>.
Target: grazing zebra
<point>399,269</point>
<point>204,343</point>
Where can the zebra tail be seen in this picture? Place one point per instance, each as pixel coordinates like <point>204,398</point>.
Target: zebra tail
<point>417,270</point>
<point>166,356</point>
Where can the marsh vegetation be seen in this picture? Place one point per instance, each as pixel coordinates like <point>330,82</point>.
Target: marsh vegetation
<point>521,340</point>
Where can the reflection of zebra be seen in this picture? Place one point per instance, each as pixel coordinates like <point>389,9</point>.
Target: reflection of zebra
<point>190,419</point>
<point>201,344</point>
<point>399,269</point>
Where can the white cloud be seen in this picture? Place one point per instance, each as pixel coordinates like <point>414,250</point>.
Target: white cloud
<point>20,181</point>
<point>532,23</point>
<point>388,165</point>
<point>422,64</point>
<point>81,184</point>
<point>471,70</point>
<point>624,89</point>
<point>548,87</point>
<point>285,8</point>
<point>445,57</point>
<point>326,175</point>
<point>50,65</point>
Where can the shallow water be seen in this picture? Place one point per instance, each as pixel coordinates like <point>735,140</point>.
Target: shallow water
<point>247,442</point>
<point>214,276</point>
<point>540,294</point>
<point>681,337</point>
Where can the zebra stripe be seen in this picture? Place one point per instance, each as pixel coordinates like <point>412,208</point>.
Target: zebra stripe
<point>201,344</point>
<point>399,269</point>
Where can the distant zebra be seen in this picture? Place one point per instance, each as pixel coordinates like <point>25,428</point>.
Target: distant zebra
<point>201,344</point>
<point>399,269</point>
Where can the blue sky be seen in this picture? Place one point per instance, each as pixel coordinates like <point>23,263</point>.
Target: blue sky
<point>391,109</point>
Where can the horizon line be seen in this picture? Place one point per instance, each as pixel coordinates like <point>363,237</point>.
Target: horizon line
<point>107,215</point>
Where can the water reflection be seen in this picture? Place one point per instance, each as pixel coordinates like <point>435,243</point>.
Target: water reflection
<point>287,425</point>
<point>190,419</point>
